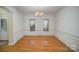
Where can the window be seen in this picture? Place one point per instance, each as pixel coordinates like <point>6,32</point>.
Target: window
<point>32,24</point>
<point>46,25</point>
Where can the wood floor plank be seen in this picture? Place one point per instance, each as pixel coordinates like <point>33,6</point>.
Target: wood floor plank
<point>37,44</point>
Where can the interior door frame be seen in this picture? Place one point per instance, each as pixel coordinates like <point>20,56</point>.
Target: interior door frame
<point>10,29</point>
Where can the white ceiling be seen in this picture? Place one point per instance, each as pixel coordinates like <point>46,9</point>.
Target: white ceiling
<point>33,9</point>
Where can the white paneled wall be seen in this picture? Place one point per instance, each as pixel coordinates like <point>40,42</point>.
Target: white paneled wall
<point>38,24</point>
<point>67,21</point>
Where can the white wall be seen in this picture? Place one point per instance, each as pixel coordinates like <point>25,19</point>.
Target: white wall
<point>18,25</point>
<point>67,21</point>
<point>39,25</point>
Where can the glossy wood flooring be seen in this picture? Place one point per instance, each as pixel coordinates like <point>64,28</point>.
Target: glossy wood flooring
<point>37,44</point>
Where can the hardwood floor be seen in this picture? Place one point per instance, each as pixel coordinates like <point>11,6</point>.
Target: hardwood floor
<point>37,44</point>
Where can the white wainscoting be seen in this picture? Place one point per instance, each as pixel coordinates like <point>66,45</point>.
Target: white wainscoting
<point>69,39</point>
